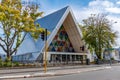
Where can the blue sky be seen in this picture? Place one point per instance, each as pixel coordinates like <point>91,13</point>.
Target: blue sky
<point>83,8</point>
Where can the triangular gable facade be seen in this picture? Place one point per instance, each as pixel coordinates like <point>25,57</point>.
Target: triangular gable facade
<point>65,34</point>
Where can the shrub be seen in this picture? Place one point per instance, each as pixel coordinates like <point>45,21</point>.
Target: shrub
<point>7,60</point>
<point>1,63</point>
<point>112,58</point>
<point>8,64</point>
<point>16,64</point>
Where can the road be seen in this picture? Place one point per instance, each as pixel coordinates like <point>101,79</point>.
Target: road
<point>106,74</point>
<point>27,71</point>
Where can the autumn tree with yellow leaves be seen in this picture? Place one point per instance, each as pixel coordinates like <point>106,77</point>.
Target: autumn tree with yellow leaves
<point>16,21</point>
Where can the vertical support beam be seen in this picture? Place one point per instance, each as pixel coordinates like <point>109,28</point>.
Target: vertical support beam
<point>70,58</point>
<point>61,57</point>
<point>66,58</point>
<point>75,58</point>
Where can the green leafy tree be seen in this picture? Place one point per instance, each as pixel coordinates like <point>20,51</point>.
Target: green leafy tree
<point>16,21</point>
<point>98,34</point>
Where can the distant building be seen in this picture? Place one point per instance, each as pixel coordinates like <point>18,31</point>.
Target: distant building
<point>64,41</point>
<point>113,53</point>
<point>2,56</point>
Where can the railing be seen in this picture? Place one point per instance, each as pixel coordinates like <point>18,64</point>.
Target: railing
<point>50,63</point>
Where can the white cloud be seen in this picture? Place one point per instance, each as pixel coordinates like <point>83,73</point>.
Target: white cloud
<point>118,2</point>
<point>95,7</point>
<point>101,3</point>
<point>113,10</point>
<point>116,25</point>
<point>106,6</point>
<point>84,13</point>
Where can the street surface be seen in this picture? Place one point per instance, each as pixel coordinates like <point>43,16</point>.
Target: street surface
<point>106,74</point>
<point>26,71</point>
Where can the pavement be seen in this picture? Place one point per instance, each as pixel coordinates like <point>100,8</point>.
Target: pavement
<point>52,71</point>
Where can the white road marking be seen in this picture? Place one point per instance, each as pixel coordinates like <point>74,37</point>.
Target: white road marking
<point>108,67</point>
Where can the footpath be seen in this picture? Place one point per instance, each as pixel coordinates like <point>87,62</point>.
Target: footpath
<point>51,71</point>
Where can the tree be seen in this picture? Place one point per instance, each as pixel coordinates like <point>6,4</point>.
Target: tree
<point>98,34</point>
<point>16,21</point>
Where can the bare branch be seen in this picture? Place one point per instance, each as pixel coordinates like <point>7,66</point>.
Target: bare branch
<point>3,41</point>
<point>15,49</point>
<point>2,46</point>
<point>13,39</point>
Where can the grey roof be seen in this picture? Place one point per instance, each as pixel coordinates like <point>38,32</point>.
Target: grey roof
<point>27,46</point>
<point>50,21</point>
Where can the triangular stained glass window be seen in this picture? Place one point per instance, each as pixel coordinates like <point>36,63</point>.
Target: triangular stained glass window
<point>56,44</point>
<point>59,49</point>
<point>56,37</point>
<point>51,44</point>
<point>53,49</point>
<point>61,41</point>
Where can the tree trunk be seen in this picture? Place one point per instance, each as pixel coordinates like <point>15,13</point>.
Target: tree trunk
<point>98,54</point>
<point>8,56</point>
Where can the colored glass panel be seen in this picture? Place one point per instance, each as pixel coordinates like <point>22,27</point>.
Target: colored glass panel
<point>61,42</point>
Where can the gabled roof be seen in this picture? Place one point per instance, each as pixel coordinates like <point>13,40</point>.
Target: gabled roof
<point>50,22</point>
<point>53,22</point>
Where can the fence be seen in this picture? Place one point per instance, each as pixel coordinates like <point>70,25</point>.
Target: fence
<point>50,63</point>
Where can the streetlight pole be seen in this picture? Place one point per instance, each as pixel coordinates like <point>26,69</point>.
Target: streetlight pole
<point>44,38</point>
<point>45,54</point>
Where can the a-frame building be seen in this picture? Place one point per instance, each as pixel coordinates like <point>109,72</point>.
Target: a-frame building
<point>64,41</point>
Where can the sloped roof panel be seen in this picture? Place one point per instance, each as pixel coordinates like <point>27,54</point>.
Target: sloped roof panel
<point>50,22</point>
<point>27,46</point>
